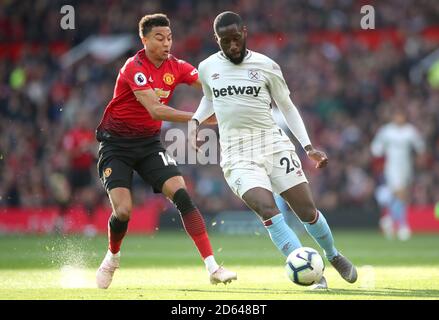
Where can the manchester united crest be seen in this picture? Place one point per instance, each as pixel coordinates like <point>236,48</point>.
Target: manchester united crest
<point>168,78</point>
<point>107,172</point>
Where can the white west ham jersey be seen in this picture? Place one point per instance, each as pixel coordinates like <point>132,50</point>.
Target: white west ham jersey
<point>397,143</point>
<point>242,96</point>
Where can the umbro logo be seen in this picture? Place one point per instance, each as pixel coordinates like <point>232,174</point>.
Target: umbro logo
<point>215,76</point>
<point>286,247</point>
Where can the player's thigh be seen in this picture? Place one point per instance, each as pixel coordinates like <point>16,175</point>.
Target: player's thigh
<point>301,201</point>
<point>172,185</point>
<point>247,176</point>
<point>261,201</point>
<point>158,168</point>
<point>114,173</point>
<point>289,180</point>
<point>398,182</point>
<point>116,177</point>
<point>285,170</point>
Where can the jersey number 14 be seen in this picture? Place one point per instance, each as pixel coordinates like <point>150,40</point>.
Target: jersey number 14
<point>167,160</point>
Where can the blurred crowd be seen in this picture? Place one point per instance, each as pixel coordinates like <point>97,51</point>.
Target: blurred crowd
<point>48,114</point>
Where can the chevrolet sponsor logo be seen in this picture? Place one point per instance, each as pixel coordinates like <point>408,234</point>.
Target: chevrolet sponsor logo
<point>162,94</point>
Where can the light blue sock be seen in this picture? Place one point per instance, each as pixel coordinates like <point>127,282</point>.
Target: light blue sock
<point>281,203</point>
<point>281,234</point>
<point>398,211</point>
<point>321,233</point>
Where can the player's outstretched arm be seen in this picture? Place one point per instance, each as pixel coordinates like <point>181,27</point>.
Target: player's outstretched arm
<point>204,114</point>
<point>281,95</point>
<point>159,111</point>
<point>297,126</point>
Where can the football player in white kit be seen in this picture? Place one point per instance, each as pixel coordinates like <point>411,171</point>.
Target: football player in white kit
<point>396,141</point>
<point>257,156</point>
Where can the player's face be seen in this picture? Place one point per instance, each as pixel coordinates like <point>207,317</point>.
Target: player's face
<point>158,42</point>
<point>232,42</point>
<point>399,118</point>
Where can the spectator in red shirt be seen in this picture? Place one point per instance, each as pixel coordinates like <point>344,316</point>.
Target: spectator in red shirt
<point>80,145</point>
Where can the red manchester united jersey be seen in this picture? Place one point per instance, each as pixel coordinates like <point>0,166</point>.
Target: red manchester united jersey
<point>124,116</point>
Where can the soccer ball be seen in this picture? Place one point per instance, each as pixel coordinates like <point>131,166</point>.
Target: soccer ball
<point>304,266</point>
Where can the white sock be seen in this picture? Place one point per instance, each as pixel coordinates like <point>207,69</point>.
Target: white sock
<point>113,255</point>
<point>211,264</point>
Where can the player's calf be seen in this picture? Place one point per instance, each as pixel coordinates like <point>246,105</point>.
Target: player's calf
<point>195,227</point>
<point>193,222</point>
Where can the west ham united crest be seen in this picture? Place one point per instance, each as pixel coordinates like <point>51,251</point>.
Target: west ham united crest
<point>253,74</point>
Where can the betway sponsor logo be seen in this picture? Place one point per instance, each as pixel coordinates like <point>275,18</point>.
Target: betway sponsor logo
<point>232,90</point>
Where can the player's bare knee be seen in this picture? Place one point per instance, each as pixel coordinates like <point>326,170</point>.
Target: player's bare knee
<point>307,214</point>
<point>172,186</point>
<point>266,211</point>
<point>123,212</point>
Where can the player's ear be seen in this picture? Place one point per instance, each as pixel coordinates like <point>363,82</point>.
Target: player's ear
<point>144,40</point>
<point>244,30</point>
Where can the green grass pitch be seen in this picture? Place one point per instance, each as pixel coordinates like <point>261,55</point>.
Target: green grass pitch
<point>166,265</point>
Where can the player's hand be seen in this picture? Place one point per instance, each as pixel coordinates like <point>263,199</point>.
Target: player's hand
<point>193,132</point>
<point>318,156</point>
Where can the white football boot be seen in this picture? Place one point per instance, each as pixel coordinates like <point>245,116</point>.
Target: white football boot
<point>222,275</point>
<point>105,273</point>
<point>321,285</point>
<point>404,233</point>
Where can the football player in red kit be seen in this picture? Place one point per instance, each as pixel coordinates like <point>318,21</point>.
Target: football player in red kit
<point>129,140</point>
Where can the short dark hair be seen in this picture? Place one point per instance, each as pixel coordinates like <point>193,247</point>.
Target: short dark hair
<point>225,19</point>
<point>152,20</point>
